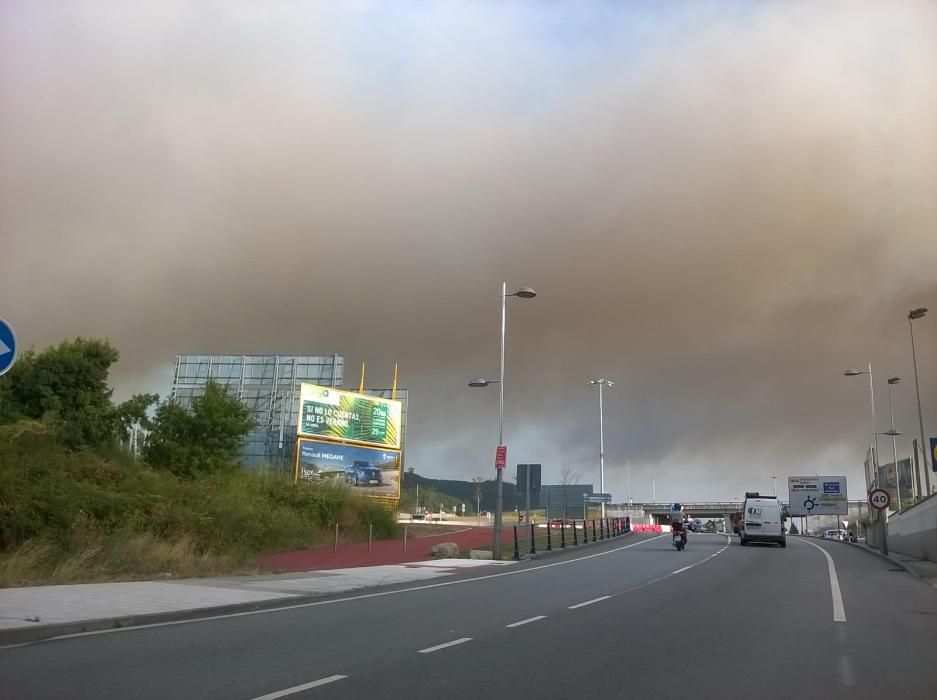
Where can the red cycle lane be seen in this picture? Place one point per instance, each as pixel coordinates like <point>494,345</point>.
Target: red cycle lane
<point>382,551</point>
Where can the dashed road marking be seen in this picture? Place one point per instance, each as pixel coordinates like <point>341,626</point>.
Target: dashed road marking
<point>527,621</point>
<point>299,688</point>
<point>589,602</point>
<point>430,650</point>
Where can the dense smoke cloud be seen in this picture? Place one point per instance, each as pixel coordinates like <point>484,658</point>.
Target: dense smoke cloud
<point>720,205</point>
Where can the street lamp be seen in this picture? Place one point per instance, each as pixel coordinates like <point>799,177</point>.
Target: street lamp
<point>522,293</point>
<point>857,373</point>
<point>914,315</point>
<point>774,483</point>
<point>894,441</point>
<point>602,383</point>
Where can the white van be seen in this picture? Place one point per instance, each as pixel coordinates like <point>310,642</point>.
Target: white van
<point>762,520</point>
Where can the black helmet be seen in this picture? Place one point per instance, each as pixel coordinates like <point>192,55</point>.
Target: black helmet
<point>677,507</point>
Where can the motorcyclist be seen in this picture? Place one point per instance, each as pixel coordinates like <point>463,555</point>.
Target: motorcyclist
<point>678,521</point>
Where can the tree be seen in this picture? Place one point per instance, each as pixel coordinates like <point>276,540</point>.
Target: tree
<point>568,477</point>
<point>205,439</point>
<point>477,489</point>
<point>66,385</point>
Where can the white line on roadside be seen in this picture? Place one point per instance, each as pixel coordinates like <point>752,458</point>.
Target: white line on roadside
<point>430,650</point>
<point>685,568</point>
<point>589,602</point>
<point>299,688</point>
<point>336,601</point>
<point>528,620</point>
<point>839,612</point>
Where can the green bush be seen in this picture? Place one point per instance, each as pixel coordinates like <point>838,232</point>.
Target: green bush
<point>67,516</point>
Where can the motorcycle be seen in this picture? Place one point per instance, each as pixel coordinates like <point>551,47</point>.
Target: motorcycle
<point>679,539</point>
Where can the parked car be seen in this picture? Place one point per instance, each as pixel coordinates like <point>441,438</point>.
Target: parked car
<point>838,535</point>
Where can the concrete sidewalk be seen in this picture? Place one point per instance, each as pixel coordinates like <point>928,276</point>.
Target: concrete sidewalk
<point>924,570</point>
<point>41,612</point>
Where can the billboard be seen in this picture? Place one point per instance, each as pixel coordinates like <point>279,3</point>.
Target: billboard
<point>817,495</point>
<point>888,479</point>
<point>343,415</point>
<point>368,471</point>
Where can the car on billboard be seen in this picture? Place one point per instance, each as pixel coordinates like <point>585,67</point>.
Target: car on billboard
<point>363,473</point>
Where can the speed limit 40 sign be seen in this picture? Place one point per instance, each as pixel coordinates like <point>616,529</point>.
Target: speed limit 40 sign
<point>879,499</point>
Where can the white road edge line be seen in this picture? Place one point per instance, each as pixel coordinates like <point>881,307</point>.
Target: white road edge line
<point>839,612</point>
<point>527,621</point>
<point>685,568</point>
<point>299,688</point>
<point>335,601</point>
<point>430,650</point>
<point>589,602</point>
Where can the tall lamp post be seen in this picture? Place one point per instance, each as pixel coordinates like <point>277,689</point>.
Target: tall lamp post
<point>602,383</point>
<point>857,373</point>
<point>913,316</point>
<point>894,438</point>
<point>522,293</point>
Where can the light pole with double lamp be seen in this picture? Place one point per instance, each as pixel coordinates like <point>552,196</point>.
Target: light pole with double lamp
<point>522,293</point>
<point>914,315</point>
<point>602,383</point>
<point>857,373</point>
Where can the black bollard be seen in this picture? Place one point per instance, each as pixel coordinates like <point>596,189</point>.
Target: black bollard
<point>533,540</point>
<point>575,537</point>
<point>549,538</point>
<point>593,530</point>
<point>562,534</point>
<point>628,523</point>
<point>517,552</point>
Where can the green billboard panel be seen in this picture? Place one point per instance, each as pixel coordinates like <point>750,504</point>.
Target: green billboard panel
<point>343,415</point>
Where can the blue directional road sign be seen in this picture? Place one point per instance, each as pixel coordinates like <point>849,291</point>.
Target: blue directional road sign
<point>7,346</point>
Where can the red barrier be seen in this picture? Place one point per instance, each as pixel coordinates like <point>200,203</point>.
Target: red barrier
<point>643,527</point>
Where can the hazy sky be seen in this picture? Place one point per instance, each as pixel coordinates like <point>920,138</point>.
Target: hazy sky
<point>721,206</point>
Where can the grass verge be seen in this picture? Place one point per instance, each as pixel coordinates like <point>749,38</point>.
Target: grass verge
<point>68,517</point>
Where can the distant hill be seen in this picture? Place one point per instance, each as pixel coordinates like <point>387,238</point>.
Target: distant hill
<point>452,492</point>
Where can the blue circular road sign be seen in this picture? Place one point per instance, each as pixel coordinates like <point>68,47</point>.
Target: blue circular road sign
<point>7,346</point>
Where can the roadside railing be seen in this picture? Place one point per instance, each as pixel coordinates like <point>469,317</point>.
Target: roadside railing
<point>533,538</point>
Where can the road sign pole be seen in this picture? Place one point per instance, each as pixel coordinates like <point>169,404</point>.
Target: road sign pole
<point>528,493</point>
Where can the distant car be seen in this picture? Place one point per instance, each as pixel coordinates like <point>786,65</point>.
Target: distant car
<point>363,474</point>
<point>557,523</point>
<point>838,535</point>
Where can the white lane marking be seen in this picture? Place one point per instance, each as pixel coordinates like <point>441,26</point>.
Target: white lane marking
<point>430,650</point>
<point>846,672</point>
<point>680,571</point>
<point>527,621</point>
<point>839,612</point>
<point>589,602</point>
<point>666,576</point>
<point>334,601</point>
<point>299,688</point>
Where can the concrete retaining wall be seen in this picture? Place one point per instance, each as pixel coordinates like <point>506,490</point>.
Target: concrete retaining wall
<point>914,531</point>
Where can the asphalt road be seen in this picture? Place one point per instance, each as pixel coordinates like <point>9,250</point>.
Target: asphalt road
<point>630,618</point>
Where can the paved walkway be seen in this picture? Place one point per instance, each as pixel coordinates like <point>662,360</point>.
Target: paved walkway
<point>924,570</point>
<point>74,605</point>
